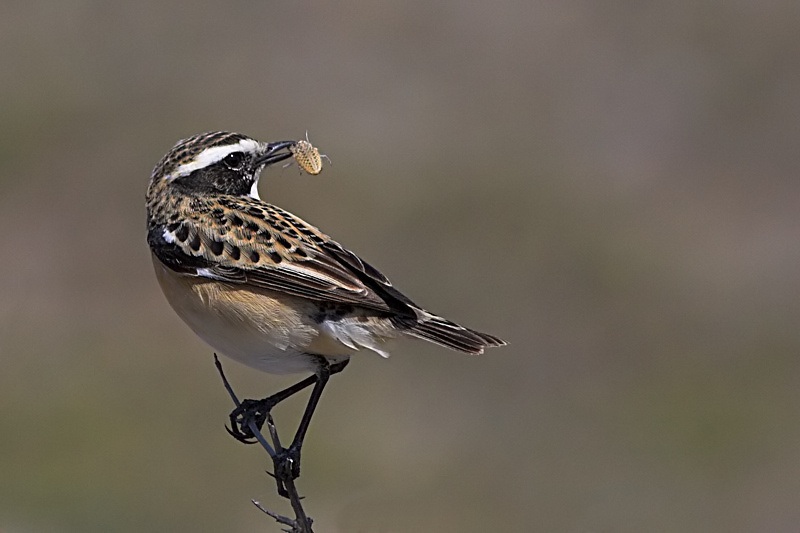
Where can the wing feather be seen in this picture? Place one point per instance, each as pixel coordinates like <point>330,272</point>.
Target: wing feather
<point>263,246</point>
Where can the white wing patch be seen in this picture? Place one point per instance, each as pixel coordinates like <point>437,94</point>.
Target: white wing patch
<point>207,273</point>
<point>212,155</point>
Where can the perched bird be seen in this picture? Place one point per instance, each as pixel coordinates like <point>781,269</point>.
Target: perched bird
<point>259,284</point>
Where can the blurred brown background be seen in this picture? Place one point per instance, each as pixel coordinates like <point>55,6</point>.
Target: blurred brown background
<point>611,186</point>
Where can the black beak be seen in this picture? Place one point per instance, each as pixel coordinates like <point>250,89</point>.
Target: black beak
<point>274,153</point>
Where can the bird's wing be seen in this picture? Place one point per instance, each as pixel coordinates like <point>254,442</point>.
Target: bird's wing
<point>245,241</point>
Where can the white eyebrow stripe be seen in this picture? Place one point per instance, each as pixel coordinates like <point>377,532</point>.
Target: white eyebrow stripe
<point>212,155</point>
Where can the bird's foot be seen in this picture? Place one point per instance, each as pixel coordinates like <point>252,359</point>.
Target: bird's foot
<point>255,411</point>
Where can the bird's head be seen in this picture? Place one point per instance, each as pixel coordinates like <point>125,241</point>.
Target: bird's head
<point>217,163</point>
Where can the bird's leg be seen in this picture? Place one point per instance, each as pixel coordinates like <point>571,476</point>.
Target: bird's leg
<point>258,410</point>
<point>287,460</point>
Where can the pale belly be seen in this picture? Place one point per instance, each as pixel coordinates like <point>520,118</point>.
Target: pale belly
<point>265,330</point>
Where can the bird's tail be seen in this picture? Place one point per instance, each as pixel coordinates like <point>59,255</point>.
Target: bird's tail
<point>449,334</point>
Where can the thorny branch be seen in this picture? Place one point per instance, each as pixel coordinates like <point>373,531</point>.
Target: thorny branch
<point>301,523</point>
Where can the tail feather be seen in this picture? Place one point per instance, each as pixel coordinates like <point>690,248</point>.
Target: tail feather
<point>449,334</point>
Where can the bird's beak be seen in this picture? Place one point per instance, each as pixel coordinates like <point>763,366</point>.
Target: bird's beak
<point>274,152</point>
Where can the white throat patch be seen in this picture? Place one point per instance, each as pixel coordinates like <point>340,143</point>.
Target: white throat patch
<point>212,155</point>
<point>254,190</point>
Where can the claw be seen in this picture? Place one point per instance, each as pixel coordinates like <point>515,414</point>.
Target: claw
<point>238,435</point>
<point>255,411</point>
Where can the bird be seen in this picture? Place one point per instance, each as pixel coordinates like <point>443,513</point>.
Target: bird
<point>264,287</point>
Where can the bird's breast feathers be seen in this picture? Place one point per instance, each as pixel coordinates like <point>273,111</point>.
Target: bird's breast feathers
<point>270,330</point>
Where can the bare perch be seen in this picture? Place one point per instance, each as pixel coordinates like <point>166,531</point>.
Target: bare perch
<point>301,522</point>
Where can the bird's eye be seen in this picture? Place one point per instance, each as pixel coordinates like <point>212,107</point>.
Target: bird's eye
<point>234,160</point>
